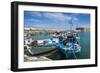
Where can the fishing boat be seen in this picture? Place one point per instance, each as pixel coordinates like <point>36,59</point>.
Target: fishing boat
<point>39,47</point>
<point>71,48</point>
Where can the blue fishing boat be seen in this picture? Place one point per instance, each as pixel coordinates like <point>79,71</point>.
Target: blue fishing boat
<point>71,48</point>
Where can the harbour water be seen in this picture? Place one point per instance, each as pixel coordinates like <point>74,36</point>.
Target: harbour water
<point>84,43</point>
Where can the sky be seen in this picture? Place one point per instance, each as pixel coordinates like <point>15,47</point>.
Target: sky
<point>56,20</point>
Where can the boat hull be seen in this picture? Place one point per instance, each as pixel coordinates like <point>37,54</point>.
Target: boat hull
<point>70,52</point>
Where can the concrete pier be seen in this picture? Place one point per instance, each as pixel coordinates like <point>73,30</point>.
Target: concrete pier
<point>34,58</point>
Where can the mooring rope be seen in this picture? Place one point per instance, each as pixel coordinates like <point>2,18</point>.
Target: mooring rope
<point>74,51</point>
<point>74,54</point>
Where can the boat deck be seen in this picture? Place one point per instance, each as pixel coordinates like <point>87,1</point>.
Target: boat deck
<point>40,50</point>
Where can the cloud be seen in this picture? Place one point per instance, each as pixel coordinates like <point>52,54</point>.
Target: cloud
<point>85,25</point>
<point>50,20</point>
<point>34,13</point>
<point>50,16</point>
<point>38,14</point>
<point>57,16</point>
<point>32,20</point>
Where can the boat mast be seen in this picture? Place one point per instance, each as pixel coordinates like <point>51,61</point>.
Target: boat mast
<point>71,24</point>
